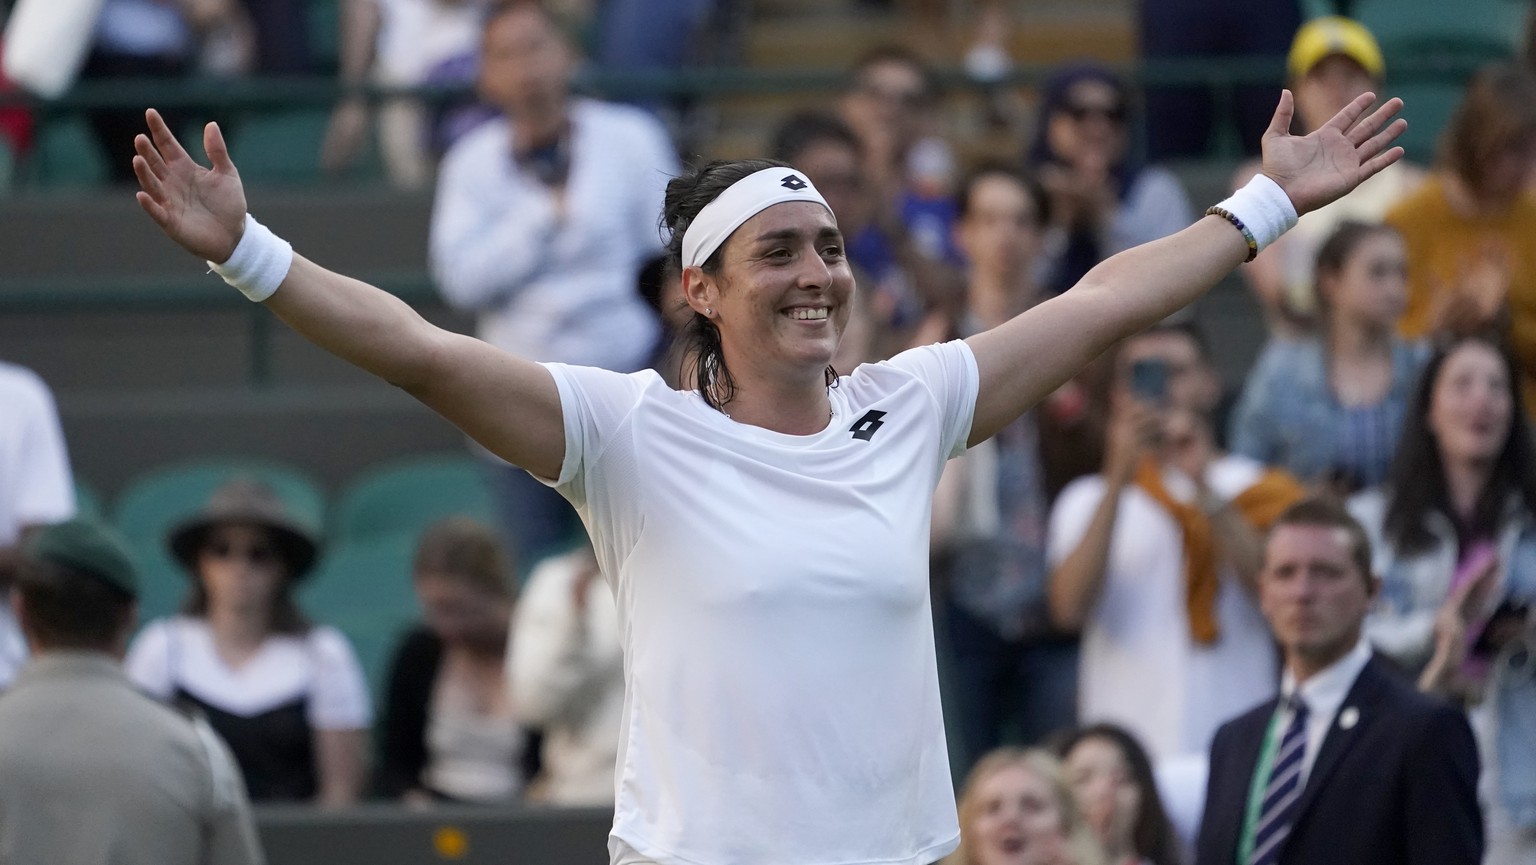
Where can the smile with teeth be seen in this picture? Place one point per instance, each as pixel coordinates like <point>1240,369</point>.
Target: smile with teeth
<point>808,314</point>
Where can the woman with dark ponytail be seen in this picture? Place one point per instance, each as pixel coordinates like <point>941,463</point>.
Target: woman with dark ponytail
<point>765,533</point>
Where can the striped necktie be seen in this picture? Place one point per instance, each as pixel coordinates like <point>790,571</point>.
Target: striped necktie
<point>1283,792</point>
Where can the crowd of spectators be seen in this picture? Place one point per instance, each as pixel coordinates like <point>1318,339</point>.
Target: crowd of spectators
<point>1100,562</point>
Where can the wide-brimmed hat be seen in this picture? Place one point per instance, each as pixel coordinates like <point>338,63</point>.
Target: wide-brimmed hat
<point>247,500</point>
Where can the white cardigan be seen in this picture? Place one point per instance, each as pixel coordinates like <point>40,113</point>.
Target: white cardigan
<point>566,675</point>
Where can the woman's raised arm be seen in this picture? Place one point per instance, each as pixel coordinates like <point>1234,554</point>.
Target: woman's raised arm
<point>508,404</point>
<point>1027,357</point>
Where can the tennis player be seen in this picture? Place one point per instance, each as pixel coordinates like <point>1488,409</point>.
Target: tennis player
<point>766,533</point>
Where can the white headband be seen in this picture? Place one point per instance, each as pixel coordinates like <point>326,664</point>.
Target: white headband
<point>740,202</point>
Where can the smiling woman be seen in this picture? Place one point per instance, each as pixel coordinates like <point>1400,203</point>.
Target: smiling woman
<point>765,533</point>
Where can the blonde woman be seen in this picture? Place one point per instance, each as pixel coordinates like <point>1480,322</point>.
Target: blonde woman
<point>1017,809</point>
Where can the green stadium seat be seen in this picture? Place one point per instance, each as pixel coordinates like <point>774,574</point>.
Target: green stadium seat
<point>155,501</point>
<point>404,497</point>
<point>1421,38</point>
<point>7,165</point>
<point>364,590</point>
<point>88,502</point>
<point>324,18</point>
<point>279,146</point>
<point>66,154</point>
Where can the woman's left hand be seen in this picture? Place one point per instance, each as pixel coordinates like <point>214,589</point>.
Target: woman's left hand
<point>1321,167</point>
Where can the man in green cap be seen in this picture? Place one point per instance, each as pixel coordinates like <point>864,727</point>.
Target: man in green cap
<point>91,771</point>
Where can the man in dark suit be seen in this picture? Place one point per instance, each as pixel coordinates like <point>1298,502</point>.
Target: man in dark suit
<point>1350,764</point>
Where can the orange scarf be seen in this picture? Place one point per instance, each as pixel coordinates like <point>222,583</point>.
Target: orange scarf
<point>1260,504</point>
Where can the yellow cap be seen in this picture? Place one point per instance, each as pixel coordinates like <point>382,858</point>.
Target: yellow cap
<point>1325,37</point>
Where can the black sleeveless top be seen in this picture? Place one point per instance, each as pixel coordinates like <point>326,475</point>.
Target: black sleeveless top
<point>275,748</point>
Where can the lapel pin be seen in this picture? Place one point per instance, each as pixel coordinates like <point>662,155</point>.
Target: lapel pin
<point>1349,717</point>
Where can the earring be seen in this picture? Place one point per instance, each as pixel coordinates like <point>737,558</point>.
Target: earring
<point>708,312</point>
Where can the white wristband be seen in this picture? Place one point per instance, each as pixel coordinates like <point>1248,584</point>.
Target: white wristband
<point>259,263</point>
<point>1261,207</point>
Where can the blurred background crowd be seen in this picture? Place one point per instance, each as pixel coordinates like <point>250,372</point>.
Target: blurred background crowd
<point>366,608</point>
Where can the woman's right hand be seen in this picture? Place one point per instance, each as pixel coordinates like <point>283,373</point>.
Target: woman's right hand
<point>201,209</point>
<point>1133,431</point>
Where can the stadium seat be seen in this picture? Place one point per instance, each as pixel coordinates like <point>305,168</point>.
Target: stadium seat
<point>1424,40</point>
<point>88,502</point>
<point>7,165</point>
<point>364,589</point>
<point>280,146</point>
<point>66,154</point>
<point>155,501</point>
<point>406,496</point>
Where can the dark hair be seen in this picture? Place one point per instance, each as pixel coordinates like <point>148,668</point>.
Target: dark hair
<point>1416,481</point>
<point>1152,832</point>
<point>1053,100</point>
<point>805,129</point>
<point>467,551</point>
<point>1328,513</point>
<point>64,608</point>
<point>687,194</point>
<point>982,171</point>
<point>1186,328</point>
<point>286,617</point>
<point>1497,109</point>
<point>1337,249</point>
<point>891,53</point>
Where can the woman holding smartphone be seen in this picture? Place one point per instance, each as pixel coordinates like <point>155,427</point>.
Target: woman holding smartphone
<point>1454,537</point>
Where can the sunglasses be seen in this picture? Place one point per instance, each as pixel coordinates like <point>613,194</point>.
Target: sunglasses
<point>1079,113</point>
<point>256,554</point>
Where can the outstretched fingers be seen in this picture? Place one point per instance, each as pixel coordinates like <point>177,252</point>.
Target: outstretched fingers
<point>170,149</point>
<point>1351,112</point>
<point>142,147</point>
<point>1362,131</point>
<point>1378,143</point>
<point>1381,160</point>
<point>217,150</point>
<point>152,207</point>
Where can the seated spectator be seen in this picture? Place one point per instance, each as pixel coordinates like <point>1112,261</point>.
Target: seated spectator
<point>1011,675</point>
<point>1111,776</point>
<point>1332,61</point>
<point>161,39</point>
<point>1328,408</point>
<point>1103,200</point>
<point>449,730</point>
<point>1155,558</point>
<point>565,670</point>
<point>36,489</point>
<point>1017,809</point>
<point>1453,534</point>
<point>287,695</point>
<point>1471,261</point>
<point>397,43</point>
<point>889,102</point>
<point>92,772</point>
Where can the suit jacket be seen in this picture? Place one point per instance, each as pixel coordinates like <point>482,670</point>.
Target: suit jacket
<point>1397,786</point>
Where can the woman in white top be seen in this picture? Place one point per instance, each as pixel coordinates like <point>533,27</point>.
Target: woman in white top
<point>766,534</point>
<point>287,696</point>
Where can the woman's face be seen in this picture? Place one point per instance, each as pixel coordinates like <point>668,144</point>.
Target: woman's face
<point>460,613</point>
<point>1000,233</point>
<point>1101,780</point>
<point>1018,820</point>
<point>783,294</point>
<point>1470,407</point>
<point>1508,172</point>
<point>1089,126</point>
<point>1372,286</point>
<point>1330,85</point>
<point>241,567</point>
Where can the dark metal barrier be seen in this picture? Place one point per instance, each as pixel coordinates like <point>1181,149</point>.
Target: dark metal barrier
<point>466,835</point>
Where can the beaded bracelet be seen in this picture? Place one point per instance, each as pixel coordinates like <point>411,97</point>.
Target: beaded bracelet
<point>1253,242</point>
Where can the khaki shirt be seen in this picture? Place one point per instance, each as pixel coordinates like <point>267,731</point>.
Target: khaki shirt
<point>93,772</point>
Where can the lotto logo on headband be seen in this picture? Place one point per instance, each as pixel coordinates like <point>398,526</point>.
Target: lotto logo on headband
<point>739,203</point>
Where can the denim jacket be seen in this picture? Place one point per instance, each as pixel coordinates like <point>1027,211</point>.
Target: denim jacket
<point>1401,626</point>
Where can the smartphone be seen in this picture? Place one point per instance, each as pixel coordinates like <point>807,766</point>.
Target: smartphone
<point>1149,380</point>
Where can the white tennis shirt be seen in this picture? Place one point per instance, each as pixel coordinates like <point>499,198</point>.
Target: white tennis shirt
<point>782,695</point>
